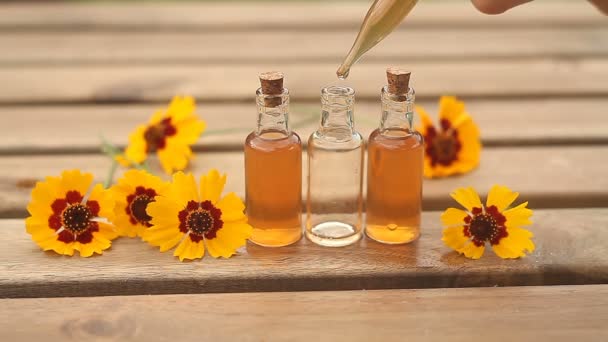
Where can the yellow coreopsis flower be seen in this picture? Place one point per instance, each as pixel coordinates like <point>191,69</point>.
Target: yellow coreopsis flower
<point>468,231</point>
<point>63,219</point>
<point>170,133</point>
<point>453,147</point>
<point>132,193</point>
<point>193,218</point>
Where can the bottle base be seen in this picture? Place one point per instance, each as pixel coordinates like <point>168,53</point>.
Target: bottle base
<point>275,237</point>
<point>333,234</point>
<point>392,234</point>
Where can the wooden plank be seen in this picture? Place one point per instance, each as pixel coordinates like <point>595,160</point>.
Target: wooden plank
<point>301,46</point>
<point>570,250</point>
<point>311,16</point>
<point>562,177</point>
<point>502,122</point>
<point>227,82</point>
<point>555,313</point>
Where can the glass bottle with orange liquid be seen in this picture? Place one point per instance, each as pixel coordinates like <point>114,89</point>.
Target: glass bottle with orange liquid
<point>273,169</point>
<point>395,167</point>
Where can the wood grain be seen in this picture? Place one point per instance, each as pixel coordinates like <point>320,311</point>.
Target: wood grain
<point>77,128</point>
<point>547,177</point>
<point>312,16</point>
<point>570,249</point>
<point>556,313</point>
<point>234,83</point>
<point>42,48</point>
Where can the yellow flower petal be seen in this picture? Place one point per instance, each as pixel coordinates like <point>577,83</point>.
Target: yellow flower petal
<point>467,197</point>
<point>167,244</point>
<point>184,189</point>
<point>175,156</point>
<point>453,217</point>
<point>518,216</point>
<point>136,150</point>
<point>515,244</point>
<point>189,131</point>
<point>501,197</point>
<point>188,250</point>
<point>454,237</point>
<point>76,180</point>
<point>472,251</point>
<point>232,208</point>
<point>212,185</point>
<point>181,108</point>
<point>450,108</point>
<point>229,238</point>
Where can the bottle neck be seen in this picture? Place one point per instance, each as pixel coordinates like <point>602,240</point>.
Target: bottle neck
<point>397,110</point>
<point>273,112</point>
<point>337,108</point>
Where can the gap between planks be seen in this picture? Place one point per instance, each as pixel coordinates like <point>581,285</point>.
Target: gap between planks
<point>520,122</point>
<point>555,313</point>
<point>570,250</point>
<point>562,177</point>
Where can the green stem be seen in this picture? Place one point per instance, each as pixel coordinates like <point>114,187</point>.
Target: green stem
<point>110,177</point>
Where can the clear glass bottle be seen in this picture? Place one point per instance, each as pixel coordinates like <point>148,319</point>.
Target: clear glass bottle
<point>273,169</point>
<point>394,173</point>
<point>335,178</point>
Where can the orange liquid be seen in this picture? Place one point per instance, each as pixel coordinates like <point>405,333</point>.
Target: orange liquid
<point>273,177</point>
<point>394,186</point>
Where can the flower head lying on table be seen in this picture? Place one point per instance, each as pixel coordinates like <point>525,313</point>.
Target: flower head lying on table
<point>193,218</point>
<point>453,147</point>
<point>469,231</point>
<point>169,134</point>
<point>66,217</point>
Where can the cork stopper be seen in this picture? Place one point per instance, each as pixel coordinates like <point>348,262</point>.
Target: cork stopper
<point>398,80</point>
<point>272,84</point>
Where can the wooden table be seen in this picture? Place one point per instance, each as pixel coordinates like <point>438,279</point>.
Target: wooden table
<point>535,80</point>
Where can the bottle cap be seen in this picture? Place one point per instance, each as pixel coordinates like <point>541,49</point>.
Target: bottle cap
<point>272,84</point>
<point>398,80</point>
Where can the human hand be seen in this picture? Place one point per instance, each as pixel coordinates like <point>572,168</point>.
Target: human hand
<point>501,6</point>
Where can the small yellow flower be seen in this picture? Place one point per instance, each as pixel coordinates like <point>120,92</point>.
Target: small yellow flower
<point>195,218</point>
<point>454,147</point>
<point>63,219</point>
<point>132,193</point>
<point>468,231</point>
<point>170,133</point>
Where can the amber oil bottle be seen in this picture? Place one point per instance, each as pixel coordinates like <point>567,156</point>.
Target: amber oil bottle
<point>273,168</point>
<point>395,167</point>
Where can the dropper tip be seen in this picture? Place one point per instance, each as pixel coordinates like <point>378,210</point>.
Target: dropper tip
<point>342,72</point>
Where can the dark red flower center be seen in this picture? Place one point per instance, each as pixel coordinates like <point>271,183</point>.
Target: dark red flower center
<point>156,135</point>
<point>200,219</point>
<point>443,146</point>
<point>138,208</point>
<point>74,217</point>
<point>485,227</point>
<point>137,203</point>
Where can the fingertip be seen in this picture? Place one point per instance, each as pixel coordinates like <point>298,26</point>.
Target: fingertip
<point>494,7</point>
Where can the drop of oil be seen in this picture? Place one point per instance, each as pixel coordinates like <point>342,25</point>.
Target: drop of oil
<point>343,72</point>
